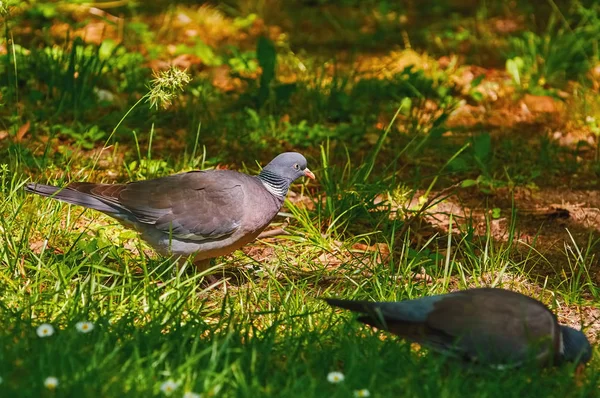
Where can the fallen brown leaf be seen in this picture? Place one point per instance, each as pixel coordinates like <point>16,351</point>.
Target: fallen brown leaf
<point>22,131</point>
<point>38,246</point>
<point>541,103</point>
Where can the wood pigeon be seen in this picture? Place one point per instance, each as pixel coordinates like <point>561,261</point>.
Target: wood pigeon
<point>207,213</point>
<point>485,325</point>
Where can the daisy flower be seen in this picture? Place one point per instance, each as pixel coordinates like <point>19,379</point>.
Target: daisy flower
<point>51,382</point>
<point>84,327</point>
<point>45,330</point>
<point>190,394</point>
<point>362,393</point>
<point>335,377</point>
<point>168,387</point>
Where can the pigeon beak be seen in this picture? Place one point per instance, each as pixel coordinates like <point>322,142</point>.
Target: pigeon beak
<point>309,173</point>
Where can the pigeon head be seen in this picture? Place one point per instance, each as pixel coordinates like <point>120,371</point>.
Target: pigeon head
<point>576,346</point>
<point>282,171</point>
<point>289,166</point>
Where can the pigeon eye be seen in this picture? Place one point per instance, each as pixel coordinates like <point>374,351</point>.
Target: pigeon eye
<point>296,166</point>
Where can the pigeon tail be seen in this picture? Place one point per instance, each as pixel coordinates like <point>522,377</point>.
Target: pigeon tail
<point>415,310</point>
<point>355,306</point>
<point>69,195</point>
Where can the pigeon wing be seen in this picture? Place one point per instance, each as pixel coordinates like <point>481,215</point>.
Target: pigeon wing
<point>196,205</point>
<point>493,326</point>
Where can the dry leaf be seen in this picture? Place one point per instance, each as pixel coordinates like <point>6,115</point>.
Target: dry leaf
<point>38,246</point>
<point>22,131</point>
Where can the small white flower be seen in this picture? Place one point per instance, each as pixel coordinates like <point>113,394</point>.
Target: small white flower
<point>590,119</point>
<point>84,327</point>
<point>51,382</point>
<point>190,394</point>
<point>362,393</point>
<point>168,387</point>
<point>335,377</point>
<point>45,330</point>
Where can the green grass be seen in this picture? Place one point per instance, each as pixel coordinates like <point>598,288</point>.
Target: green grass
<point>286,353</point>
<point>380,149</point>
<point>268,336</point>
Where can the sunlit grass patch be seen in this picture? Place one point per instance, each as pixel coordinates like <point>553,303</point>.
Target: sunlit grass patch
<point>405,204</point>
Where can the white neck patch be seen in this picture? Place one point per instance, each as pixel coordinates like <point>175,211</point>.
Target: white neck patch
<point>274,190</point>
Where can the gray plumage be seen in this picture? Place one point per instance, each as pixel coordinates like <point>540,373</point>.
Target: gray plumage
<point>486,325</point>
<point>206,213</point>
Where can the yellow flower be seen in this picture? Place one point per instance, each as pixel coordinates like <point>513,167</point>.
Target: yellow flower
<point>51,382</point>
<point>84,327</point>
<point>335,377</point>
<point>45,330</point>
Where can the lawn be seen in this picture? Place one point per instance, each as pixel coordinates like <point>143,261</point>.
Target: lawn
<point>455,145</point>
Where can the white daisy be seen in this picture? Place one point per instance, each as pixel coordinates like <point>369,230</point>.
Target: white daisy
<point>84,327</point>
<point>51,382</point>
<point>335,377</point>
<point>168,387</point>
<point>45,330</point>
<point>362,393</point>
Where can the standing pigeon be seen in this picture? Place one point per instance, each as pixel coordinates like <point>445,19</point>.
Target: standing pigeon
<point>203,213</point>
<point>486,325</point>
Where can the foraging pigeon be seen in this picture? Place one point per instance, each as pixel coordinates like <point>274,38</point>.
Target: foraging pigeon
<point>486,325</point>
<point>207,213</point>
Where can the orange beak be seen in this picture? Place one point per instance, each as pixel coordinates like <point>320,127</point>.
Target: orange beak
<point>309,173</point>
